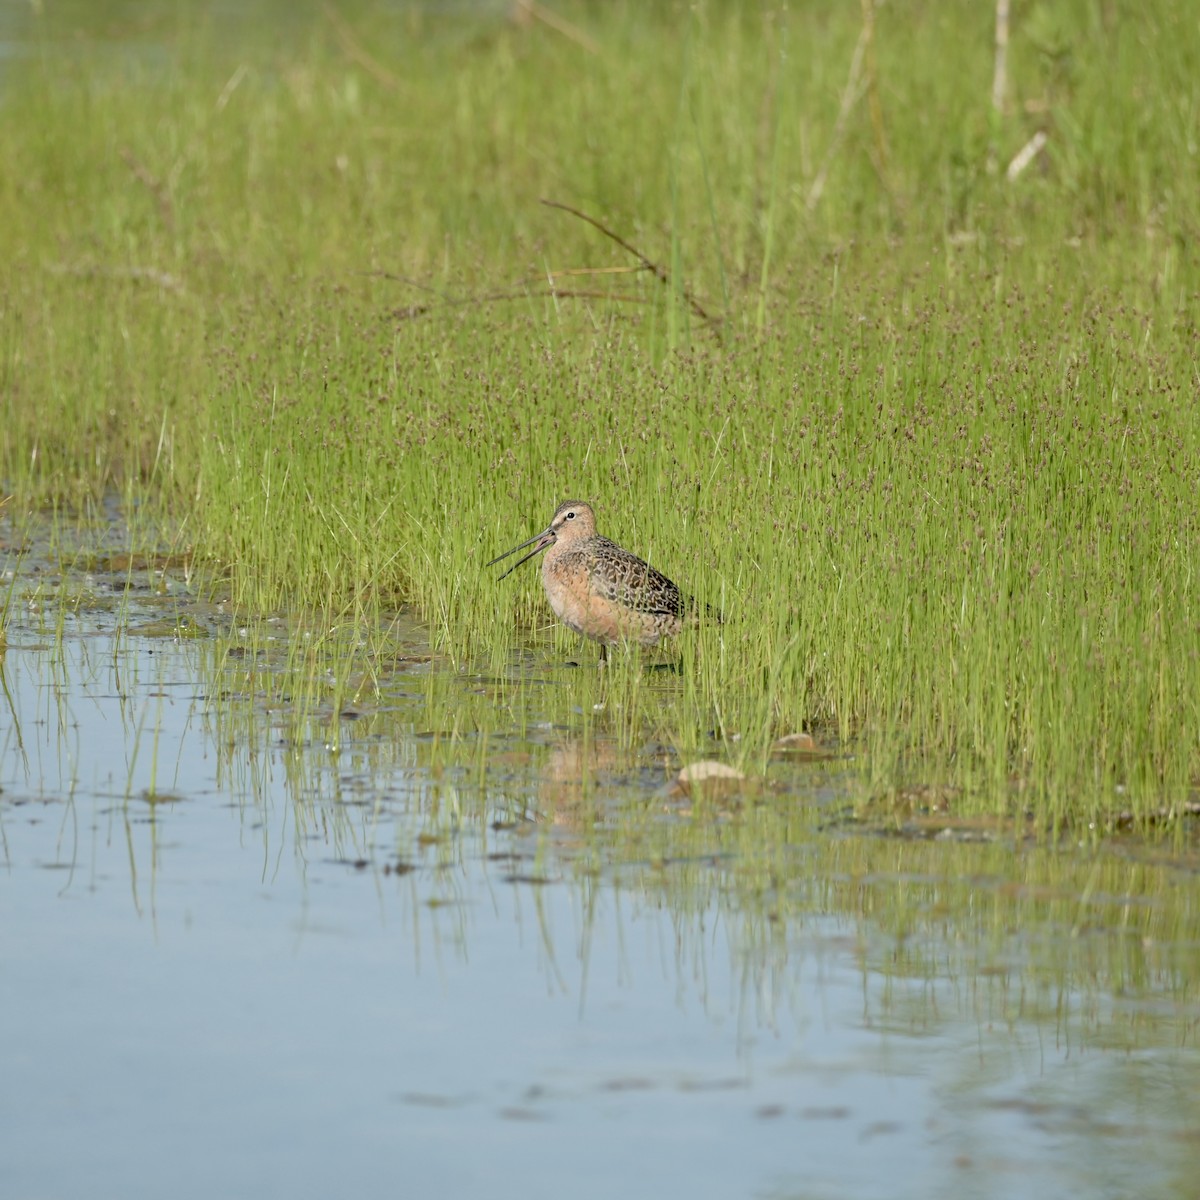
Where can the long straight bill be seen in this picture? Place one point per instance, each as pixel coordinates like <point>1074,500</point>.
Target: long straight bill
<point>543,539</point>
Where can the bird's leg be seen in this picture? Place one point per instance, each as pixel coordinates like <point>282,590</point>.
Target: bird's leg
<point>603,654</point>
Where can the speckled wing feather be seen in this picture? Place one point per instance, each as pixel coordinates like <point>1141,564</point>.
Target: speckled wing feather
<point>626,580</point>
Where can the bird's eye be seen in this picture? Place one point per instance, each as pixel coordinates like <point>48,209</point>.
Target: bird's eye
<point>570,516</point>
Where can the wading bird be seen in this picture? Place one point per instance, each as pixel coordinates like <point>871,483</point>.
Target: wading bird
<point>601,591</point>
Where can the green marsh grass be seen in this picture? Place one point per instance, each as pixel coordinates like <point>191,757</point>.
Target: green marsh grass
<point>934,453</point>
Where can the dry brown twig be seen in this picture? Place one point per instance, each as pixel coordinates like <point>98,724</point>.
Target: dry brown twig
<point>356,51</point>
<point>162,279</point>
<point>1026,155</point>
<point>644,264</point>
<point>413,311</point>
<point>851,94</point>
<point>152,184</point>
<point>525,12</point>
<point>1000,69</point>
<point>647,264</point>
<point>860,81</point>
<point>872,83</point>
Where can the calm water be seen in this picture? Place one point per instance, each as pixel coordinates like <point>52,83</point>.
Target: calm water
<point>237,961</point>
